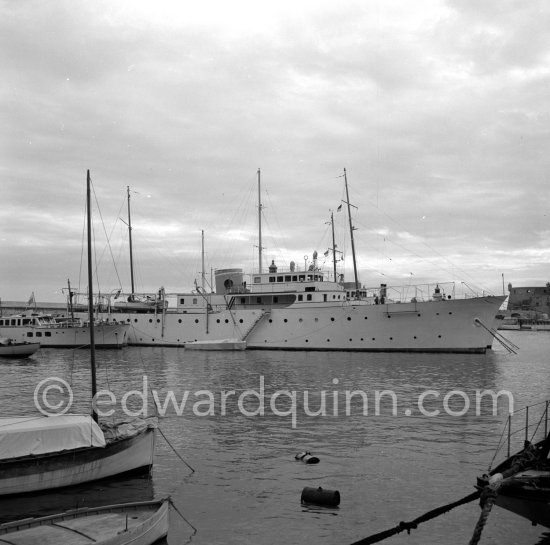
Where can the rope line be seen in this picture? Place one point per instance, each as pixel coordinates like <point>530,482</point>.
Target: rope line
<point>408,526</point>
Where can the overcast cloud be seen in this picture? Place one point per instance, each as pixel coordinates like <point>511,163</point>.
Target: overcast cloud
<point>438,110</point>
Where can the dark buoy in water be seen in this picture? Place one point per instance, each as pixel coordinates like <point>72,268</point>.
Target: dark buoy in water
<point>307,458</point>
<point>318,496</point>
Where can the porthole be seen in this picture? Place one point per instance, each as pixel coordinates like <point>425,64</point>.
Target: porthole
<point>196,321</point>
<point>332,319</point>
<point>300,320</point>
<point>241,321</point>
<point>285,320</point>
<point>218,321</point>
<point>349,318</point>
<point>439,336</point>
<point>270,321</point>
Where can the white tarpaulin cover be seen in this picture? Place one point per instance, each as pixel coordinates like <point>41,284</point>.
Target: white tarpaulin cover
<point>21,436</point>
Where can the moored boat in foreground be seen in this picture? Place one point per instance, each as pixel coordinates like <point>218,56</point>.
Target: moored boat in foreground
<point>521,483</point>
<point>137,523</point>
<point>46,452</point>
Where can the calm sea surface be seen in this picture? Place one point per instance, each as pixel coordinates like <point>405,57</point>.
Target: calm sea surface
<point>246,486</point>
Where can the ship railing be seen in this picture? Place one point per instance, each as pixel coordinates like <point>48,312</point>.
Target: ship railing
<point>529,424</point>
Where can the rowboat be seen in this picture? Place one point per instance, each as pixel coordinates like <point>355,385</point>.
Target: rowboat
<point>136,523</point>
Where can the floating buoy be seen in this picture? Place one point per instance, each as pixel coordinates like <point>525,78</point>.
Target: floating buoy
<point>319,496</point>
<point>307,458</point>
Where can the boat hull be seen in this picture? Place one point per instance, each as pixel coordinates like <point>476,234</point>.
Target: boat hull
<point>20,350</point>
<point>528,495</point>
<point>68,468</point>
<point>138,523</point>
<point>106,335</point>
<point>454,326</point>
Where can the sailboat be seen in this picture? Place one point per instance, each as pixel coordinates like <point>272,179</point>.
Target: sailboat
<point>521,483</point>
<point>47,452</point>
<point>133,302</point>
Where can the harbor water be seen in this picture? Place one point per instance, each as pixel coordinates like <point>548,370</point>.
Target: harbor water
<point>234,421</point>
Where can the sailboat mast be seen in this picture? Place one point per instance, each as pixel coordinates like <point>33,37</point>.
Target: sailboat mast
<point>130,239</point>
<point>203,282</point>
<point>333,244</point>
<point>259,225</point>
<point>91,295</point>
<point>351,229</point>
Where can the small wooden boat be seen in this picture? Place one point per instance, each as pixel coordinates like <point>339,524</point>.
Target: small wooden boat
<point>10,348</point>
<point>521,483</point>
<point>222,344</point>
<point>136,523</point>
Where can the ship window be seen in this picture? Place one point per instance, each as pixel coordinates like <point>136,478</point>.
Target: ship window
<point>288,278</point>
<point>272,279</point>
<point>309,297</point>
<point>275,299</point>
<point>279,279</point>
<point>302,277</point>
<point>259,300</point>
<point>243,300</point>
<point>29,333</point>
<point>182,301</point>
<point>310,288</point>
<point>300,297</point>
<point>310,277</point>
<point>14,322</point>
<point>39,334</point>
<point>257,279</point>
<point>194,300</point>
<point>47,334</point>
<point>295,278</point>
<point>324,297</point>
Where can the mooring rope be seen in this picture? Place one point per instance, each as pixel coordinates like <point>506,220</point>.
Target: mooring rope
<point>408,526</point>
<point>506,343</point>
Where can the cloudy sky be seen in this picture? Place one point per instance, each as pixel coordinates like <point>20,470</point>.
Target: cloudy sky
<point>438,110</point>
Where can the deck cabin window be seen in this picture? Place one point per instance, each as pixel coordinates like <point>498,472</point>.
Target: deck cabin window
<point>182,301</point>
<point>300,297</point>
<point>275,299</point>
<point>194,300</point>
<point>310,288</point>
<point>272,279</point>
<point>295,278</point>
<point>310,277</point>
<point>30,333</point>
<point>279,279</point>
<point>259,300</point>
<point>302,277</point>
<point>257,279</point>
<point>39,334</point>
<point>243,300</point>
<point>288,278</point>
<point>309,296</point>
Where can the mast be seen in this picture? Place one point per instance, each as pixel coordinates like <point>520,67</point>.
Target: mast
<point>259,225</point>
<point>333,244</point>
<point>130,239</point>
<point>91,296</point>
<point>71,309</point>
<point>202,256</point>
<point>351,229</point>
